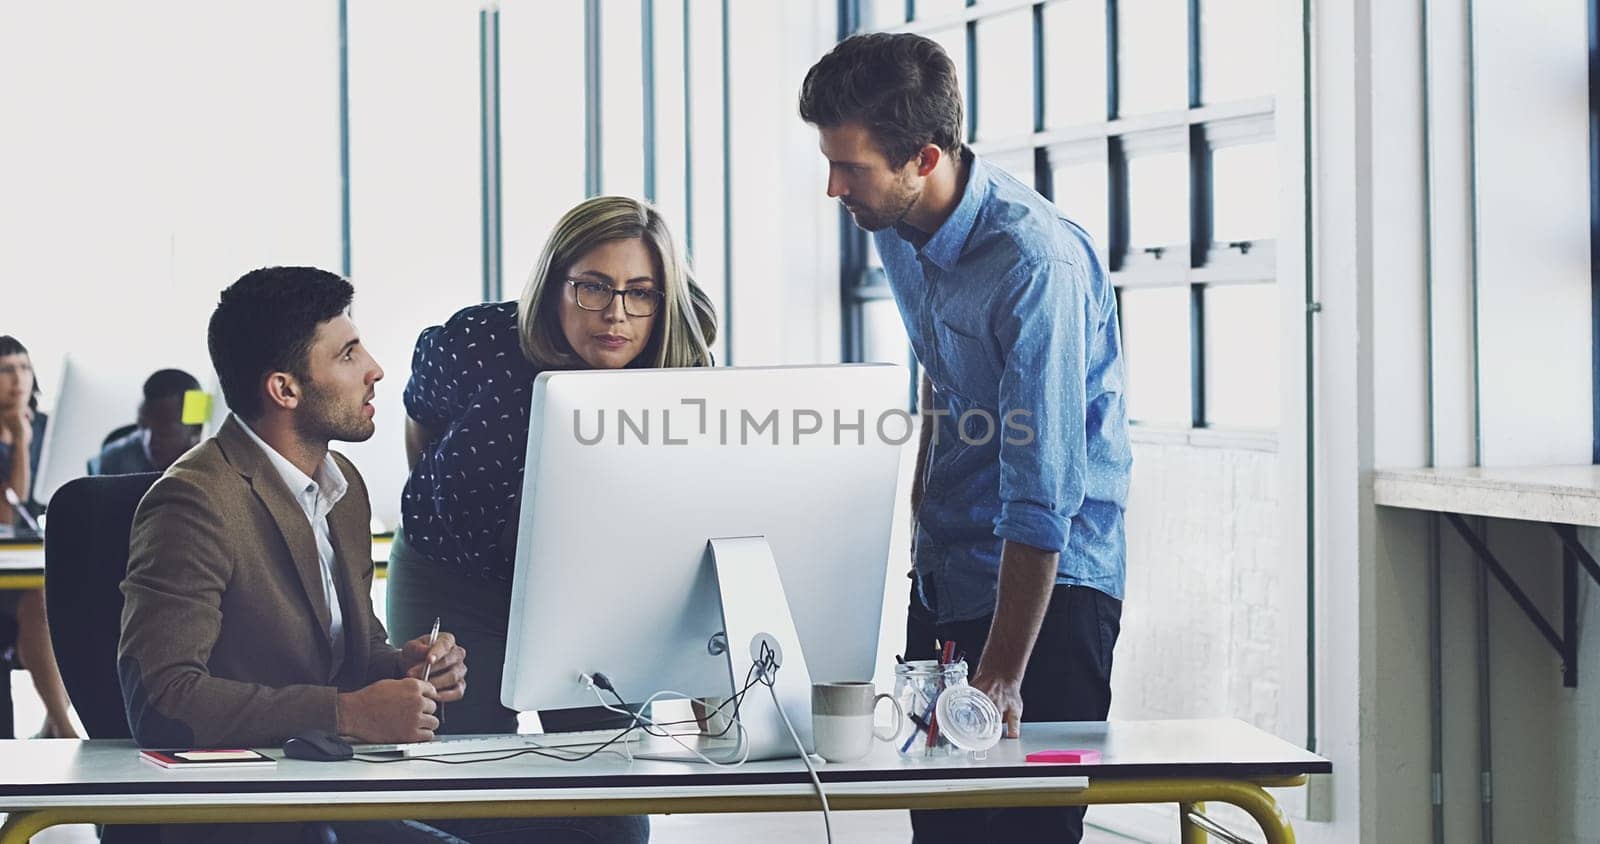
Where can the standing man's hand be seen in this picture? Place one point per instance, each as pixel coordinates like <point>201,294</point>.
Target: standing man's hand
<point>1027,579</point>
<point>1006,692</point>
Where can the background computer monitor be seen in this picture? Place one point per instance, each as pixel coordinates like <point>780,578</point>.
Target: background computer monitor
<point>611,571</point>
<point>93,396</point>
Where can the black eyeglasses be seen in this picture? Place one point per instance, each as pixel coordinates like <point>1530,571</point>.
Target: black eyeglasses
<point>595,296</point>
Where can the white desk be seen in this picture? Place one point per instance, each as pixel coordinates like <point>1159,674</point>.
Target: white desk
<point>1567,495</point>
<point>22,563</point>
<point>1560,496</point>
<point>1187,762</point>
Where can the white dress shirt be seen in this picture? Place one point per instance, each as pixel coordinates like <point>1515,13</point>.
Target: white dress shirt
<point>316,497</point>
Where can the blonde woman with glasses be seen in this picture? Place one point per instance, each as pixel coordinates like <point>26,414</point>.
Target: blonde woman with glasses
<point>609,291</point>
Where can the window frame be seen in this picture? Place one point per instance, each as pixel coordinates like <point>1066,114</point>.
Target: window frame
<point>1202,127</point>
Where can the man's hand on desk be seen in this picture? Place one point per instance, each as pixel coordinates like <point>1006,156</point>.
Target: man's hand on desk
<point>389,711</point>
<point>1006,692</point>
<point>443,665</point>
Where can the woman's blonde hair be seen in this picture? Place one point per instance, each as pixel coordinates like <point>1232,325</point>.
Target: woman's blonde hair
<point>686,322</point>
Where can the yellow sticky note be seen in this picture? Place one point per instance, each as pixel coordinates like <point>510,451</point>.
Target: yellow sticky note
<point>196,407</point>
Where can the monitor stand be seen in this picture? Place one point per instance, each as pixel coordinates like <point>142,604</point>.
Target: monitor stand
<point>756,613</point>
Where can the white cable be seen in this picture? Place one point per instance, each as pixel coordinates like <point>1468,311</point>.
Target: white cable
<point>827,821</point>
<point>640,719</point>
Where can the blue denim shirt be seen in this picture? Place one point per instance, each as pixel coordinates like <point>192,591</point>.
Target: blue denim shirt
<point>1015,323</point>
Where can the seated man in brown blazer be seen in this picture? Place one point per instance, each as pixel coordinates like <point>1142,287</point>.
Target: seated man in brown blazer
<point>248,615</point>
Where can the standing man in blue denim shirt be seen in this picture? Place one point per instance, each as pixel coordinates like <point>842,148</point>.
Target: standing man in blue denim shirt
<point>1022,476</point>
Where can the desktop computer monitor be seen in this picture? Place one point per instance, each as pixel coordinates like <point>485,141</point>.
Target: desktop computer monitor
<point>630,479</point>
<point>93,396</point>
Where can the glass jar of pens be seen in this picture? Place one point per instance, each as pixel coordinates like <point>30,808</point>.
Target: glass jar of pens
<point>943,715</point>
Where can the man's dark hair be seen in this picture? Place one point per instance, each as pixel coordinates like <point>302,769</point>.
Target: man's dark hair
<point>12,346</point>
<point>166,383</point>
<point>265,322</point>
<point>901,86</point>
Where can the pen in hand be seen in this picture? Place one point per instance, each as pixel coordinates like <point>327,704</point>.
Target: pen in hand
<point>432,637</point>
<point>21,509</point>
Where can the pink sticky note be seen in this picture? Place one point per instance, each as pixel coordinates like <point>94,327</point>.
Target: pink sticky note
<point>1077,757</point>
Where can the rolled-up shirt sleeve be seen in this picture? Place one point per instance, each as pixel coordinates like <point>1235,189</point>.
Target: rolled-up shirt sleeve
<point>1041,321</point>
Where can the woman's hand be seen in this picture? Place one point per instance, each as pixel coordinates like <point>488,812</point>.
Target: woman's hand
<point>18,421</point>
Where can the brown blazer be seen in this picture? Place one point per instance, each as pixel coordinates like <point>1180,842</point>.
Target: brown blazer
<point>224,627</point>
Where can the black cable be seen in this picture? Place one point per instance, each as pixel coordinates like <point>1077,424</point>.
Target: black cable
<point>764,671</point>
<point>737,700</point>
<point>535,751</point>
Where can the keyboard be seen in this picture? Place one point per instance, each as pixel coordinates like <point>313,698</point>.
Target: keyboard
<point>579,740</point>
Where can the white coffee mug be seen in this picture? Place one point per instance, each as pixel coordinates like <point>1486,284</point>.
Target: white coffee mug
<point>841,719</point>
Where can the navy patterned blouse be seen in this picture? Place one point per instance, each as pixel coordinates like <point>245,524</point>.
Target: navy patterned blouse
<point>470,381</point>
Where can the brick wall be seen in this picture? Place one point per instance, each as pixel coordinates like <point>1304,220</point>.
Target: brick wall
<point>1202,626</point>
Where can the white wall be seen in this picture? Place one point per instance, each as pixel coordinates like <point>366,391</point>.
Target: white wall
<point>1523,336</point>
<point>415,230</point>
<point>1533,225</point>
<point>165,152</point>
<point>149,161</point>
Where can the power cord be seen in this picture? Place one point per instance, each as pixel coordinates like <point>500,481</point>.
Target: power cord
<point>816,781</point>
<point>763,671</point>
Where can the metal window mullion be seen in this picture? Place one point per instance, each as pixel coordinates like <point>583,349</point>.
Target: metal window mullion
<point>344,138</point>
<point>1197,355</point>
<point>688,134</point>
<point>592,178</point>
<point>1201,187</point>
<point>727,195</point>
<point>1472,222</point>
<point>1043,180</point>
<point>972,78</point>
<point>1038,68</point>
<point>1117,201</point>
<point>1111,61</point>
<point>498,229</point>
<point>1194,54</point>
<point>852,242</point>
<point>489,148</point>
<point>647,16</point>
<point>727,189</point>
<point>1594,209</point>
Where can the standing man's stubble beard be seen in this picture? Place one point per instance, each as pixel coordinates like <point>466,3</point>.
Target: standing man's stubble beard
<point>900,202</point>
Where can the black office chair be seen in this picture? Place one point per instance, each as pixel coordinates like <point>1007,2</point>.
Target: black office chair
<point>85,558</point>
<point>8,663</point>
<point>118,433</point>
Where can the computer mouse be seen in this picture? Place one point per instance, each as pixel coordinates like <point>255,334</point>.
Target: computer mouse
<point>318,746</point>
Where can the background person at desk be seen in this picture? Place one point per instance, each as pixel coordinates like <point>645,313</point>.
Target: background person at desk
<point>22,427</point>
<point>609,292</point>
<point>1019,547</point>
<point>159,436</point>
<point>248,617</point>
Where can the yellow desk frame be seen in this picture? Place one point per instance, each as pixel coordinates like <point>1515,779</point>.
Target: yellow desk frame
<point>1189,793</point>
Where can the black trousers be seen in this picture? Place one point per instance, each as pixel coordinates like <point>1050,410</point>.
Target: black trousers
<point>1068,679</point>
